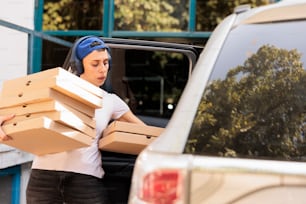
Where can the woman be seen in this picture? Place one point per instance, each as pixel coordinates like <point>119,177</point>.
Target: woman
<point>76,176</point>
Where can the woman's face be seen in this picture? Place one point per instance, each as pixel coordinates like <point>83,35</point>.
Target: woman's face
<point>96,65</point>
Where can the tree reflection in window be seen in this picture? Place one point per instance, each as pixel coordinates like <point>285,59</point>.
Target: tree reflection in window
<point>257,111</point>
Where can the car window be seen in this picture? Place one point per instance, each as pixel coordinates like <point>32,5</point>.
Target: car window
<point>149,75</point>
<point>254,104</point>
<point>150,80</point>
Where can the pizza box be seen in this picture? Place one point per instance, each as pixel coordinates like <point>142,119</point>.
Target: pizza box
<point>44,95</point>
<point>42,135</point>
<point>64,117</point>
<point>58,72</point>
<point>124,142</point>
<point>24,86</point>
<point>128,138</point>
<point>119,126</point>
<point>46,106</point>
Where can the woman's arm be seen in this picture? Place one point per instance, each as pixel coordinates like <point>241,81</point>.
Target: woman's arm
<point>131,118</point>
<point>3,136</point>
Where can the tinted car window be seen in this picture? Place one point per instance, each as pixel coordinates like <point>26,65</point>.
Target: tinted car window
<point>254,105</point>
<point>150,81</point>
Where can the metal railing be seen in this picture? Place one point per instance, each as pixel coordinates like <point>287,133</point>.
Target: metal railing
<point>33,36</point>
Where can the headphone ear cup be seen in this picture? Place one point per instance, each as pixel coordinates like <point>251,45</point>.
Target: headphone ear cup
<point>74,62</point>
<point>76,66</point>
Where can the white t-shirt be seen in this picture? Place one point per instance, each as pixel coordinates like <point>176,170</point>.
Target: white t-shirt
<point>85,160</point>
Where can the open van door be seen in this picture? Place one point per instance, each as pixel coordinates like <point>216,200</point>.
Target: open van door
<point>150,76</point>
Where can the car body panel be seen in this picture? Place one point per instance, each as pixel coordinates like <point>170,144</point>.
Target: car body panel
<point>225,180</point>
<point>181,120</point>
<point>277,13</point>
<point>213,179</point>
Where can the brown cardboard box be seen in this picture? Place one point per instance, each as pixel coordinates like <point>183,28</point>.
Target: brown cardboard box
<point>40,77</point>
<point>17,88</point>
<point>54,111</point>
<point>64,117</point>
<point>44,95</point>
<point>119,126</point>
<point>48,106</point>
<point>128,138</point>
<point>44,136</point>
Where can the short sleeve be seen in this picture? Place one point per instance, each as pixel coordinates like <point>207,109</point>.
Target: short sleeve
<point>120,107</point>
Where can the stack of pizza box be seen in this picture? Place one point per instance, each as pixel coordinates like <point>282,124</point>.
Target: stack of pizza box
<point>128,138</point>
<point>54,111</point>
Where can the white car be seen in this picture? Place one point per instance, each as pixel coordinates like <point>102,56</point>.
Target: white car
<point>238,132</point>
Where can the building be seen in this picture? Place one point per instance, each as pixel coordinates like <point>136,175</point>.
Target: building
<point>21,50</point>
<point>14,164</point>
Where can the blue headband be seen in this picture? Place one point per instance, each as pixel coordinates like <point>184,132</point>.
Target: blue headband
<point>88,45</point>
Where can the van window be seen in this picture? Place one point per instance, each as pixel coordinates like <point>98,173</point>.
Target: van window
<point>254,105</point>
<point>150,81</point>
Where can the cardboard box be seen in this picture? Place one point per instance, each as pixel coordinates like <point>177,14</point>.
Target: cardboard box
<point>42,135</point>
<point>39,77</point>
<point>45,107</point>
<point>64,117</point>
<point>128,138</point>
<point>17,88</point>
<point>44,95</point>
<point>119,126</point>
<point>54,111</point>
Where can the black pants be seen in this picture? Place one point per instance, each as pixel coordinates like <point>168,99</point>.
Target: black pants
<point>57,187</point>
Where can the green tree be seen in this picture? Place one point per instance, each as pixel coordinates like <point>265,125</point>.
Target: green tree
<point>138,15</point>
<point>211,12</point>
<point>153,15</point>
<point>259,109</point>
<point>72,15</point>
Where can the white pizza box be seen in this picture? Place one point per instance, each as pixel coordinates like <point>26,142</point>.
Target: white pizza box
<point>128,138</point>
<point>42,135</point>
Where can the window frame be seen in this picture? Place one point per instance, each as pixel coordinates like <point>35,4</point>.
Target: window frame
<point>15,172</point>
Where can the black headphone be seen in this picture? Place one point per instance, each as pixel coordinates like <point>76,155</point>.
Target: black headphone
<point>76,64</point>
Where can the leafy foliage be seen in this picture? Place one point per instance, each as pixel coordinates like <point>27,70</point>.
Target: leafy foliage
<point>258,110</point>
<point>211,12</point>
<point>72,15</point>
<point>138,15</point>
<point>154,15</point>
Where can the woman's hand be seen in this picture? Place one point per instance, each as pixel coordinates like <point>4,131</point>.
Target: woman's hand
<point>3,136</point>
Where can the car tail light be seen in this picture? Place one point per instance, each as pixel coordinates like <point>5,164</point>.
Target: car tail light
<point>162,186</point>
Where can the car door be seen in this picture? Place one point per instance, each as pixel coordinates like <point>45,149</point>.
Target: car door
<point>149,75</point>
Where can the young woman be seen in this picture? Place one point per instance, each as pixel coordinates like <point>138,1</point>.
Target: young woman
<point>76,176</point>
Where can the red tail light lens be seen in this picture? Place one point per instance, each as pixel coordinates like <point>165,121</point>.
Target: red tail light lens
<point>162,187</point>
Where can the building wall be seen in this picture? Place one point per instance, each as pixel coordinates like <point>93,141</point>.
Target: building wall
<point>14,44</point>
<point>13,63</point>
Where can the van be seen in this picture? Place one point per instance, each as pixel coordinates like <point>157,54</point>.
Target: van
<point>237,134</point>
